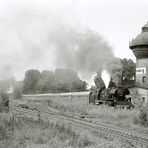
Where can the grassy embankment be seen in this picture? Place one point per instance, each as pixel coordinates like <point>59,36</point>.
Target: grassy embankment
<point>20,132</point>
<point>79,106</point>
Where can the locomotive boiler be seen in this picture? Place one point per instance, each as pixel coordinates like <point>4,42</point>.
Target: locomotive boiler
<point>115,96</point>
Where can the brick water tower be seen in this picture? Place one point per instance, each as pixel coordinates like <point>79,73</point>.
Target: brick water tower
<point>139,46</point>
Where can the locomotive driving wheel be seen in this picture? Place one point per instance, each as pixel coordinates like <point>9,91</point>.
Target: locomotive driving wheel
<point>109,103</point>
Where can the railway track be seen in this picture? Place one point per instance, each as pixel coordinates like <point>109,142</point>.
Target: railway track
<point>104,129</point>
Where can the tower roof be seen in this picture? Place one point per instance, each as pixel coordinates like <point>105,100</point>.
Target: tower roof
<point>145,28</point>
<point>139,45</point>
<point>141,39</point>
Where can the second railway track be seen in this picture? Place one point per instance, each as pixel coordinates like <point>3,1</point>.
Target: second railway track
<point>110,131</point>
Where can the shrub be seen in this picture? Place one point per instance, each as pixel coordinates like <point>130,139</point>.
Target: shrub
<point>142,117</point>
<point>4,102</point>
<point>7,122</point>
<point>17,93</point>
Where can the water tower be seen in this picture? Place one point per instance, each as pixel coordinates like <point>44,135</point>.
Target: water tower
<point>139,46</point>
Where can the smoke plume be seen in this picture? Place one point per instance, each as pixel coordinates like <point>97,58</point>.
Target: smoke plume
<point>43,40</point>
<point>86,52</point>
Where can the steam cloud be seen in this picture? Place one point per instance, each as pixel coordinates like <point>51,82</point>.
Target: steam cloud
<point>85,52</point>
<point>45,41</point>
<point>5,72</point>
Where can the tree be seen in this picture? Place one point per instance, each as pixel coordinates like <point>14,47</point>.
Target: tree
<point>63,80</point>
<point>17,93</point>
<point>128,69</point>
<point>128,72</point>
<point>79,86</point>
<point>46,82</point>
<point>17,90</point>
<point>126,75</point>
<point>30,81</point>
<point>68,80</point>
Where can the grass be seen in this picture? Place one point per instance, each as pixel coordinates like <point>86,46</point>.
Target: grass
<point>80,106</point>
<point>142,116</point>
<point>20,132</point>
<point>56,134</point>
<point>69,104</point>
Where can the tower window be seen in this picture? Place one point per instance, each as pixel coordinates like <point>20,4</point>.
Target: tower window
<point>143,79</point>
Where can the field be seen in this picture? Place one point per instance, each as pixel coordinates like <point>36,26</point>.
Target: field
<point>32,133</point>
<point>80,107</point>
<point>20,132</point>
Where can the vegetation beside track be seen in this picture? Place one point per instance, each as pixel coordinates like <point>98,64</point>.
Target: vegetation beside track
<point>142,117</point>
<point>22,132</point>
<point>120,117</point>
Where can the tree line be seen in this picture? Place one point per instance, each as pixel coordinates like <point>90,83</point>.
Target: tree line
<point>128,74</point>
<point>62,80</point>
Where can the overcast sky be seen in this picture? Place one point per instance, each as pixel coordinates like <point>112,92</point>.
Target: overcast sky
<point>25,27</point>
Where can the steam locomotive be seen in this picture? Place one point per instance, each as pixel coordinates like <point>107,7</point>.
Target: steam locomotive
<point>115,96</point>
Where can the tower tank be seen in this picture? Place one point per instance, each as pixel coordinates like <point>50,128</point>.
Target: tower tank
<point>139,46</point>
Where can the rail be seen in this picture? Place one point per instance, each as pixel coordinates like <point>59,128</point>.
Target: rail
<point>120,133</point>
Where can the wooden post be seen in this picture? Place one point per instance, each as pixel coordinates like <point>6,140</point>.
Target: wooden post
<point>39,115</point>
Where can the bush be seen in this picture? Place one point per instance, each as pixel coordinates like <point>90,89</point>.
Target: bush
<point>7,122</point>
<point>142,117</point>
<point>4,102</point>
<point>17,94</point>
